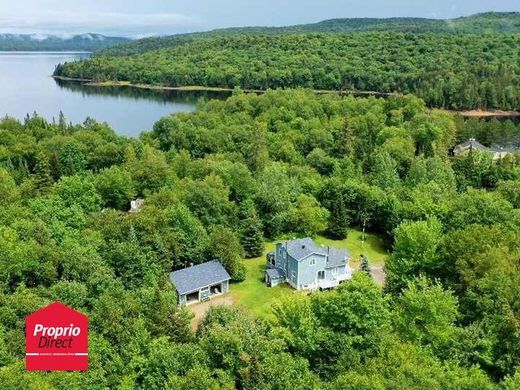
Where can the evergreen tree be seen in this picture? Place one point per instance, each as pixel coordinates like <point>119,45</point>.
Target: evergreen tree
<point>365,266</point>
<point>62,122</point>
<point>250,229</point>
<point>338,221</point>
<point>71,160</point>
<point>42,173</point>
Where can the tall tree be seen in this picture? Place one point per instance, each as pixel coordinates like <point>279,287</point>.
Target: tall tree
<point>250,230</point>
<point>42,173</point>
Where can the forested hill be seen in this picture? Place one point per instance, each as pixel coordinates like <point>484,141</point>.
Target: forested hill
<point>448,71</point>
<point>36,42</point>
<point>491,22</point>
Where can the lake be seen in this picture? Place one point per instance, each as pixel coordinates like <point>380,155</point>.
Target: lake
<point>26,86</point>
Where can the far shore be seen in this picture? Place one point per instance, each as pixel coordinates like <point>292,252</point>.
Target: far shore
<point>476,113</point>
<point>201,88</point>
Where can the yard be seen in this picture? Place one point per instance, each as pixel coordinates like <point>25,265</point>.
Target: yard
<point>255,296</point>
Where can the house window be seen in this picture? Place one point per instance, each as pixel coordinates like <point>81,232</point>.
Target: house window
<point>334,271</point>
<point>313,261</point>
<point>321,275</point>
<point>293,276</point>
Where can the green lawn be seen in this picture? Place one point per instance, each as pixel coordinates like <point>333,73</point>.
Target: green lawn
<point>257,298</point>
<point>373,247</point>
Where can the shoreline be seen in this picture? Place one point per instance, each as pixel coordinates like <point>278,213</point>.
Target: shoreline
<point>201,88</point>
<point>476,113</point>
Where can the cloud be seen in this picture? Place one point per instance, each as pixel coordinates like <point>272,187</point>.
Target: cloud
<point>65,22</point>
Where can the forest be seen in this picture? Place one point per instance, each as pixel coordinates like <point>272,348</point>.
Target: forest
<point>449,71</point>
<point>220,181</point>
<point>80,42</point>
<point>483,23</point>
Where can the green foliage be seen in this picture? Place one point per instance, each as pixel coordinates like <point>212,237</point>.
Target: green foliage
<point>71,160</point>
<point>116,187</point>
<point>415,253</point>
<point>9,192</point>
<point>309,218</point>
<point>215,181</point>
<point>357,309</point>
<point>250,229</point>
<point>382,61</point>
<point>225,246</point>
<point>42,172</point>
<point>426,314</point>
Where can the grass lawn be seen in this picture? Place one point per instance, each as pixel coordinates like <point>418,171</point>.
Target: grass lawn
<point>257,298</point>
<point>373,247</point>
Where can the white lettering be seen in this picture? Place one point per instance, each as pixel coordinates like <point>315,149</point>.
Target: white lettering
<point>37,329</point>
<point>56,331</point>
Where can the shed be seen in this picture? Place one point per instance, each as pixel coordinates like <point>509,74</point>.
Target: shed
<point>200,282</point>
<point>274,276</point>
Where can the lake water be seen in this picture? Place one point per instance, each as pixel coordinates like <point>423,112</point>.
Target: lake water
<point>26,86</point>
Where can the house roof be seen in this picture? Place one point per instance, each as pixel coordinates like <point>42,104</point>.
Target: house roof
<point>303,247</point>
<point>472,144</point>
<point>194,278</point>
<point>275,273</point>
<point>504,149</point>
<point>337,257</point>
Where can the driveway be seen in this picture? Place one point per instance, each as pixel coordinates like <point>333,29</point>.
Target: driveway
<point>199,309</point>
<point>376,271</point>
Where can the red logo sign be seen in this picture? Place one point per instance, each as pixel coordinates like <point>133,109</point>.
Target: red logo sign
<point>56,339</point>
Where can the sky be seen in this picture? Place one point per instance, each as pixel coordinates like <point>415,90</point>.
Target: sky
<point>161,17</point>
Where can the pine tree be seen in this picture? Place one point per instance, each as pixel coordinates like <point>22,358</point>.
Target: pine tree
<point>250,229</point>
<point>62,122</point>
<point>338,220</point>
<point>365,266</point>
<point>42,173</point>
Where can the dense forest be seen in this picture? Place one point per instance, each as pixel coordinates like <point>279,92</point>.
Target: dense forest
<point>447,71</point>
<point>219,181</point>
<point>484,23</point>
<point>35,42</point>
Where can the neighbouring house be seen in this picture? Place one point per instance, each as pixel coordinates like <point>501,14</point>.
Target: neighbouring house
<point>472,144</point>
<point>200,282</point>
<point>307,266</point>
<point>136,205</point>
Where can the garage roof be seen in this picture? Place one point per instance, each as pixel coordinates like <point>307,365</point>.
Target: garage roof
<point>194,278</point>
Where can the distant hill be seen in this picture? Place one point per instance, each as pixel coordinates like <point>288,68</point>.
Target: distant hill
<point>38,42</point>
<point>484,23</point>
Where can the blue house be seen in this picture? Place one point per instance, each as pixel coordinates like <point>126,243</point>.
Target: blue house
<point>200,282</point>
<point>307,266</point>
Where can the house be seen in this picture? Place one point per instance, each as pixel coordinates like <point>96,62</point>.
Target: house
<point>136,205</point>
<point>200,282</point>
<point>472,144</point>
<point>307,266</point>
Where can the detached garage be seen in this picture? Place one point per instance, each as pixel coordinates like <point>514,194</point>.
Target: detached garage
<point>200,282</point>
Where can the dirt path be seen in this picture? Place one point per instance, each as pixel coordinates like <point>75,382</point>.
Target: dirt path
<point>377,272</point>
<point>199,309</point>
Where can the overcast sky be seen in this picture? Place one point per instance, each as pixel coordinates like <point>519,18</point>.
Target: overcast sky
<point>152,17</point>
